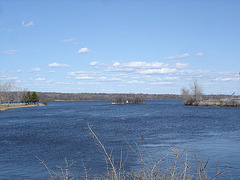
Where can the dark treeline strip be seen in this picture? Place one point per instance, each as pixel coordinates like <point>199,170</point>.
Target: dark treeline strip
<point>103,96</point>
<point>53,96</point>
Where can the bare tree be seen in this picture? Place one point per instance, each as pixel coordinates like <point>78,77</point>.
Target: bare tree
<point>1,91</point>
<point>194,95</point>
<point>186,96</point>
<point>5,91</point>
<point>196,91</point>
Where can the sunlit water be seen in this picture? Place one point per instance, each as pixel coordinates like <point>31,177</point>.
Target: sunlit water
<point>60,130</point>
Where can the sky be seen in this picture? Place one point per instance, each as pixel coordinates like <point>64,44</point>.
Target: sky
<point>120,46</point>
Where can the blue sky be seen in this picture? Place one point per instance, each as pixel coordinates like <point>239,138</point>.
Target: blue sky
<point>111,46</point>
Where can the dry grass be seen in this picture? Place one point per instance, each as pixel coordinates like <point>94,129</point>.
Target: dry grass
<point>4,107</point>
<point>172,166</point>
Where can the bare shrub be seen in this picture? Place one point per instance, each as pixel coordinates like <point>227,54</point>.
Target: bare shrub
<point>193,95</point>
<point>171,166</point>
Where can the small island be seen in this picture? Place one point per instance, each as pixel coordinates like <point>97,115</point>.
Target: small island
<point>128,100</point>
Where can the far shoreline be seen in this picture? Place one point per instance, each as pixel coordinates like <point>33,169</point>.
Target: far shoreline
<point>218,103</point>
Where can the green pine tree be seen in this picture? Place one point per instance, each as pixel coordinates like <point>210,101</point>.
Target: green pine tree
<point>27,98</point>
<point>34,97</point>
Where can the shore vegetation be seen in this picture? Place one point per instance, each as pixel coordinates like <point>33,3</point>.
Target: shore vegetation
<point>29,98</point>
<point>135,99</point>
<point>12,97</point>
<point>173,165</point>
<point>193,95</point>
<point>4,107</point>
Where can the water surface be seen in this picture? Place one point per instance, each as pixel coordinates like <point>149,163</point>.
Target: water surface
<point>59,130</point>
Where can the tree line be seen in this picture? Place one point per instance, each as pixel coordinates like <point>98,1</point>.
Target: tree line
<point>134,99</point>
<point>29,98</point>
<point>6,92</point>
<point>11,93</point>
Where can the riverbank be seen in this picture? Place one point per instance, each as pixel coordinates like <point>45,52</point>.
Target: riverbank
<point>4,107</point>
<point>220,103</point>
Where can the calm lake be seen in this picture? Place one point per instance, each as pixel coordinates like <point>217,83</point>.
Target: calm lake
<point>60,130</point>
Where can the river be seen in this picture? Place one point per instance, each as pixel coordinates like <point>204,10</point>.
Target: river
<point>60,130</point>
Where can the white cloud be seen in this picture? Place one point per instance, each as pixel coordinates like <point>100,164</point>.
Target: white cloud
<point>19,71</point>
<point>181,65</point>
<point>88,83</point>
<point>40,79</point>
<point>107,79</point>
<point>135,66</point>
<point>68,40</point>
<point>181,56</point>
<point>84,77</point>
<point>116,64</point>
<point>228,79</point>
<point>83,50</point>
<point>177,56</point>
<point>31,23</point>
<point>14,79</point>
<point>11,51</point>
<point>199,54</point>
<point>10,78</point>
<point>35,70</point>
<point>58,65</point>
<point>94,63</point>
<point>82,74</point>
<point>115,79</point>
<point>50,81</point>
<point>171,78</point>
<point>158,71</point>
<point>142,64</point>
<point>62,83</point>
<point>76,73</point>
<point>161,83</point>
<point>18,81</point>
<point>135,82</point>
<point>103,78</point>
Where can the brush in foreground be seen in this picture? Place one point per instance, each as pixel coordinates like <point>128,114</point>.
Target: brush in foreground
<point>172,166</point>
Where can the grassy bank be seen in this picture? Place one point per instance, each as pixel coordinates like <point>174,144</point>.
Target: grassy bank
<point>221,103</point>
<point>4,107</point>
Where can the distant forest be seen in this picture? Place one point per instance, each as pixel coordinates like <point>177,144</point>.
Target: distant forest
<point>54,96</point>
<point>102,96</point>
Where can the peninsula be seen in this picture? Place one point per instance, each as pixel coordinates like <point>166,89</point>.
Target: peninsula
<point>4,107</point>
<point>195,97</point>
